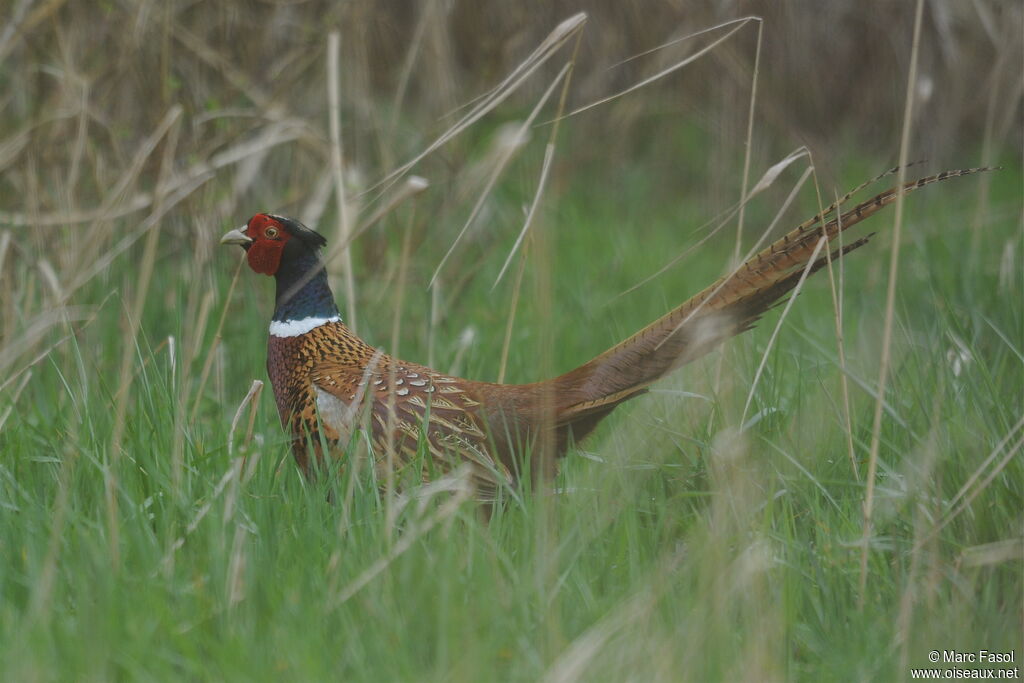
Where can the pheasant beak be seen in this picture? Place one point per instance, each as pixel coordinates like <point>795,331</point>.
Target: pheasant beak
<point>236,236</point>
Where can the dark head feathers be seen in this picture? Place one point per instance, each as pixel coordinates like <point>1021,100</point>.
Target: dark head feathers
<point>310,238</point>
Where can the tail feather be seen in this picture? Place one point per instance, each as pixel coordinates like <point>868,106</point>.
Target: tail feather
<point>728,307</point>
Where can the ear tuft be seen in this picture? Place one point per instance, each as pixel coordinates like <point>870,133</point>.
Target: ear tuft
<point>310,238</point>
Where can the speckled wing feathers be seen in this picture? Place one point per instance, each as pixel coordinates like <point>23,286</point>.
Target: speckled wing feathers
<point>332,376</point>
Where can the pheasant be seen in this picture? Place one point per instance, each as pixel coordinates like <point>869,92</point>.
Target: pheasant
<point>328,382</point>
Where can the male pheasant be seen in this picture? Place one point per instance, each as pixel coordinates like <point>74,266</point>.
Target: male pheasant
<point>328,382</point>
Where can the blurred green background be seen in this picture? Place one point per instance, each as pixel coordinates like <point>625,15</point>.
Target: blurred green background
<point>142,536</point>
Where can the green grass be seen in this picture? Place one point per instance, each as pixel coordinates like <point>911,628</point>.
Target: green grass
<point>696,549</point>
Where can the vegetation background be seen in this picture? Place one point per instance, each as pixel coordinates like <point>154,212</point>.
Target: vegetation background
<point>152,525</point>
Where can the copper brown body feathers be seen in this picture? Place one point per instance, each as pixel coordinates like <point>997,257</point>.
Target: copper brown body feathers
<point>328,383</point>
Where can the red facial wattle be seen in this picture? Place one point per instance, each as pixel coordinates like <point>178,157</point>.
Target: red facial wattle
<point>268,240</point>
<point>265,257</point>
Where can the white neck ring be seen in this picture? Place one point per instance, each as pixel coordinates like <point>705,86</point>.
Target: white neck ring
<point>294,328</point>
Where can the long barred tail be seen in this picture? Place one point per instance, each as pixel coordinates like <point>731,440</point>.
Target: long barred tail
<point>793,248</point>
<point>729,306</point>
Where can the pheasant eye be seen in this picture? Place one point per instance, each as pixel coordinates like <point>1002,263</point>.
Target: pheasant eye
<point>270,232</point>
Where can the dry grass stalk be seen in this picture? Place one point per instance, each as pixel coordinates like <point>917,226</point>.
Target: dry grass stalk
<point>778,325</point>
<point>337,170</point>
<point>890,304</point>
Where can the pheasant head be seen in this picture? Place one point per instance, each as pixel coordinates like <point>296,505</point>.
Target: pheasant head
<point>290,252</point>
